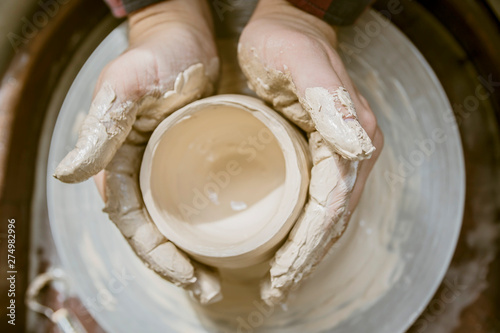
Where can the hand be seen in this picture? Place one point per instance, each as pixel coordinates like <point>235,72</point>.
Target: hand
<point>171,61</point>
<point>290,61</point>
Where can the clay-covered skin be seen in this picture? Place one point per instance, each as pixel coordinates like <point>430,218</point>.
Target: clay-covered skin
<point>126,209</point>
<point>331,112</point>
<point>110,121</point>
<point>171,61</point>
<point>323,221</point>
<point>290,61</point>
<point>335,117</point>
<point>225,178</point>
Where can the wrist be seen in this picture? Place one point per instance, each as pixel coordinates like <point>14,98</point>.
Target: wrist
<point>193,13</point>
<point>284,12</point>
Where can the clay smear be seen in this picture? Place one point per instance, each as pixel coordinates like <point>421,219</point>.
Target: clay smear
<point>321,223</point>
<point>113,135</point>
<point>110,121</point>
<point>335,118</point>
<point>332,114</point>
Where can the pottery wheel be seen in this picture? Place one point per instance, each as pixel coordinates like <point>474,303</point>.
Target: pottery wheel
<point>387,265</point>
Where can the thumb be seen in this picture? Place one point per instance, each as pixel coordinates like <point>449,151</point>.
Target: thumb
<point>325,98</point>
<point>102,133</point>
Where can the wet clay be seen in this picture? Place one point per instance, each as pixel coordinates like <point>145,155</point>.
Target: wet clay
<point>124,205</point>
<point>112,121</point>
<point>225,178</point>
<point>331,113</point>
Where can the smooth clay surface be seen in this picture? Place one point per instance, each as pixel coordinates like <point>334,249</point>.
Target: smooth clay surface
<point>225,178</point>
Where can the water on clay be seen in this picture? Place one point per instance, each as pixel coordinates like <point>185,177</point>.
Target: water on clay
<point>377,278</point>
<point>225,163</point>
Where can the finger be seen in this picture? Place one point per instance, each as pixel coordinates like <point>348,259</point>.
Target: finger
<point>190,85</point>
<point>274,87</point>
<point>104,129</point>
<point>206,289</point>
<point>127,162</point>
<point>100,183</point>
<point>321,223</point>
<point>365,167</point>
<point>119,105</point>
<point>365,114</point>
<point>126,209</point>
<point>324,96</point>
<point>113,110</point>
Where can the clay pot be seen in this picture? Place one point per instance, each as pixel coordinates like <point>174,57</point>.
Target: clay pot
<point>225,178</point>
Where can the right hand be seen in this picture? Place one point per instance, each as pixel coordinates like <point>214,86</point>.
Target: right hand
<point>290,59</point>
<point>171,61</point>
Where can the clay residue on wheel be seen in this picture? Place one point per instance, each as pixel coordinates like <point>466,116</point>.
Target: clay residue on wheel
<point>111,120</point>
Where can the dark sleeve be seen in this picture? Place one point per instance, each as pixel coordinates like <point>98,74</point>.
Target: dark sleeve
<point>121,8</point>
<point>336,12</point>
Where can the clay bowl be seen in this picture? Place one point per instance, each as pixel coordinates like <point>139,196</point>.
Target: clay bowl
<point>225,178</point>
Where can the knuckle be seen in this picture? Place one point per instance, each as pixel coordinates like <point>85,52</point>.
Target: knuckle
<point>301,41</point>
<point>127,75</point>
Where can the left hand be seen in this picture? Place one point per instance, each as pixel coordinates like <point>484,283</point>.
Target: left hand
<point>170,62</point>
<point>289,58</point>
